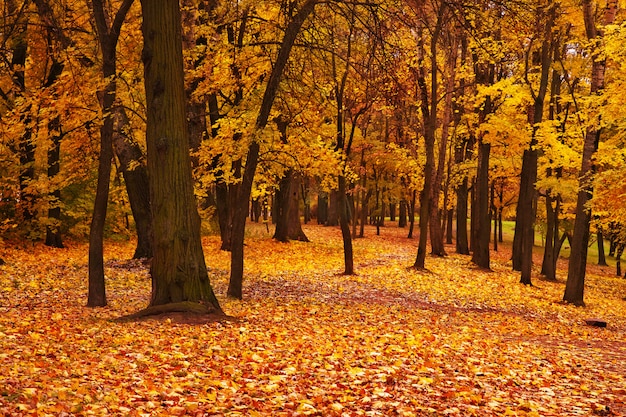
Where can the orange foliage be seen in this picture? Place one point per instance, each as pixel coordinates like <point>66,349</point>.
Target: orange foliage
<point>455,341</point>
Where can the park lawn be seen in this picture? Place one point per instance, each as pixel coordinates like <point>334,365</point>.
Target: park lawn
<point>450,341</point>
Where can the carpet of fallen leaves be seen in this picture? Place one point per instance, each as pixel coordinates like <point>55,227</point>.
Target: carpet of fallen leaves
<point>306,340</point>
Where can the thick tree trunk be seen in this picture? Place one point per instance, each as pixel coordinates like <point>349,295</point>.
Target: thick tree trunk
<point>178,268</point>
<point>288,226</point>
<point>294,226</point>
<point>135,173</point>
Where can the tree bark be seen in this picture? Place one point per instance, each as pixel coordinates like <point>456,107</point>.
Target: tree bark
<point>575,285</point>
<point>294,226</point>
<point>550,254</point>
<point>402,214</point>
<point>345,228</point>
<point>178,268</point>
<point>526,206</point>
<point>135,173</point>
<point>322,207</point>
<point>462,240</point>
<point>436,226</point>
<point>243,196</point>
<point>481,231</point>
<point>53,231</point>
<point>26,148</point>
<point>107,36</point>
<point>481,223</point>
<point>412,214</point>
<point>288,226</point>
<point>601,255</point>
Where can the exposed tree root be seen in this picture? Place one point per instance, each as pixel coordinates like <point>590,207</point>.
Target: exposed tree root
<point>185,312</point>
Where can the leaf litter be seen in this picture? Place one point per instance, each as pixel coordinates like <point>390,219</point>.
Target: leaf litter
<point>306,340</point>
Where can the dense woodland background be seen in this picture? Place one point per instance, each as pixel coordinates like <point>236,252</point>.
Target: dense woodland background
<point>338,112</point>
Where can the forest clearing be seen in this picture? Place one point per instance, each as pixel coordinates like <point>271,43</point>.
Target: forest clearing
<point>455,340</point>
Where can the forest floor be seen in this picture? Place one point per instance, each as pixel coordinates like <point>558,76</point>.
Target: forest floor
<point>451,341</point>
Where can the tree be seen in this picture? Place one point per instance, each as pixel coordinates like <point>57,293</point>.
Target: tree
<point>527,202</point>
<point>575,285</point>
<point>135,173</point>
<point>286,207</point>
<point>178,270</point>
<point>107,36</point>
<point>252,157</point>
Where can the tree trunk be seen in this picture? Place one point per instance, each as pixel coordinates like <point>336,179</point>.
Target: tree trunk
<point>412,214</point>
<point>481,231</point>
<point>294,226</point>
<point>53,232</point>
<point>243,196</point>
<point>548,266</point>
<point>135,173</point>
<point>287,213</point>
<point>493,214</point>
<point>402,215</point>
<point>436,226</point>
<point>26,148</point>
<point>527,203</point>
<point>345,228</point>
<point>462,240</point>
<point>306,200</point>
<point>618,259</point>
<point>449,225</point>
<point>428,105</point>
<point>178,268</point>
<point>280,212</point>
<point>333,208</point>
<point>575,285</point>
<point>322,208</point>
<point>601,255</point>
<point>364,209</point>
<point>107,36</point>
